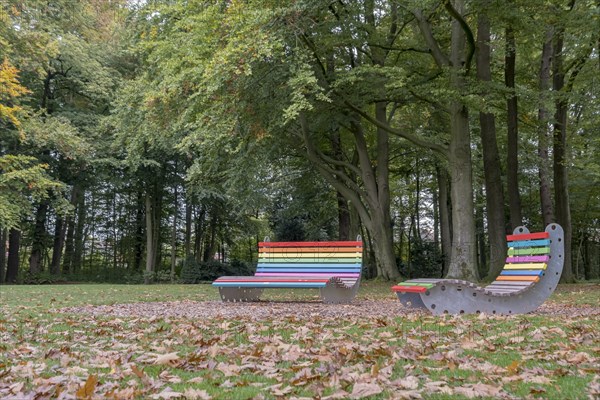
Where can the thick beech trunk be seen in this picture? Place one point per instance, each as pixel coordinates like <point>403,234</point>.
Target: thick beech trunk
<point>561,182</point>
<point>543,125</point>
<point>463,259</point>
<point>463,262</point>
<point>512,147</point>
<point>494,193</point>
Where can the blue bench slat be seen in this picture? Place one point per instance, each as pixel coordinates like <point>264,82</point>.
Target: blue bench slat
<point>530,243</point>
<point>519,272</point>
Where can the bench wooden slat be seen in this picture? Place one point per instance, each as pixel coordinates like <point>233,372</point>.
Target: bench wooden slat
<point>309,274</point>
<point>301,261</point>
<point>518,278</point>
<point>530,243</point>
<point>527,236</point>
<point>409,289</point>
<point>309,250</point>
<point>262,284</point>
<point>308,265</point>
<point>527,259</point>
<point>526,266</point>
<point>269,256</point>
<point>302,270</point>
<point>519,272</point>
<point>529,252</point>
<point>311,244</point>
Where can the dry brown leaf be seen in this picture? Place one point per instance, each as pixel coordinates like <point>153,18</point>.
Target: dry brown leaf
<point>437,387</point>
<point>361,390</point>
<point>578,358</point>
<point>195,394</point>
<point>513,367</point>
<point>478,390</point>
<point>409,382</point>
<point>167,359</point>
<point>86,390</point>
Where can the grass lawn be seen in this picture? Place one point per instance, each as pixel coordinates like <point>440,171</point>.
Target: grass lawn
<point>44,353</point>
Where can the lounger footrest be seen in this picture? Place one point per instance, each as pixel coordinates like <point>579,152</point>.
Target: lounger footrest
<point>412,287</point>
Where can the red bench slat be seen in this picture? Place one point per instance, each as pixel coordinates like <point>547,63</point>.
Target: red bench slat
<point>410,289</point>
<point>528,236</point>
<point>310,244</point>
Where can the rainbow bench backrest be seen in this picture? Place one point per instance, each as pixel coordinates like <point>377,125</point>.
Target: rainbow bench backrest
<point>311,260</point>
<point>528,256</point>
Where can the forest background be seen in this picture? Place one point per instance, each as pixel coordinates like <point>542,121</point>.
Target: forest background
<point>161,140</point>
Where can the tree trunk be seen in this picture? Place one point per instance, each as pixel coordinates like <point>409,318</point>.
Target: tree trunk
<point>69,242</point>
<point>14,243</point>
<point>494,194</point>
<point>174,234</point>
<point>463,262</point>
<point>445,223</point>
<point>543,121</point>
<point>188,227</point>
<point>480,233</point>
<point>3,238</point>
<point>210,248</point>
<point>57,247</point>
<point>512,150</point>
<point>79,234</point>
<point>39,239</point>
<point>138,247</point>
<point>150,250</point>
<point>561,182</point>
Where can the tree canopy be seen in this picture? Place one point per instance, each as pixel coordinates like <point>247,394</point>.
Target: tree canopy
<point>138,138</point>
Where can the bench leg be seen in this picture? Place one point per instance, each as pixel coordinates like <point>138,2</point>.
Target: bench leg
<point>235,294</point>
<point>411,300</point>
<point>334,294</point>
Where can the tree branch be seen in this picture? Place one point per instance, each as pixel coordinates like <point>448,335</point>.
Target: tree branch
<point>438,148</point>
<point>468,32</point>
<point>440,58</point>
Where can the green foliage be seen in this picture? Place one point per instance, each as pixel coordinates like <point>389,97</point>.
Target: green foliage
<point>23,180</point>
<point>425,261</point>
<point>193,271</point>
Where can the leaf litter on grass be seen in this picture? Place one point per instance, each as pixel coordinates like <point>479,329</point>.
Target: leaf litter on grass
<point>376,349</point>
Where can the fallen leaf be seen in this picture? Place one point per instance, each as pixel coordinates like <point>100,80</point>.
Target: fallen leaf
<point>167,359</point>
<point>87,389</point>
<point>361,390</point>
<point>195,394</point>
<point>478,390</point>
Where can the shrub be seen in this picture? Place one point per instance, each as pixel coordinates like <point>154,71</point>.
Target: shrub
<point>193,271</point>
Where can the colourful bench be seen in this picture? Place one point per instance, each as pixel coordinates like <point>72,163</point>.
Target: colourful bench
<point>530,275</point>
<point>332,267</point>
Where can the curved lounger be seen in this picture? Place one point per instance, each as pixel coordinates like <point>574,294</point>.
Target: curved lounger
<point>532,271</point>
<point>332,267</point>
